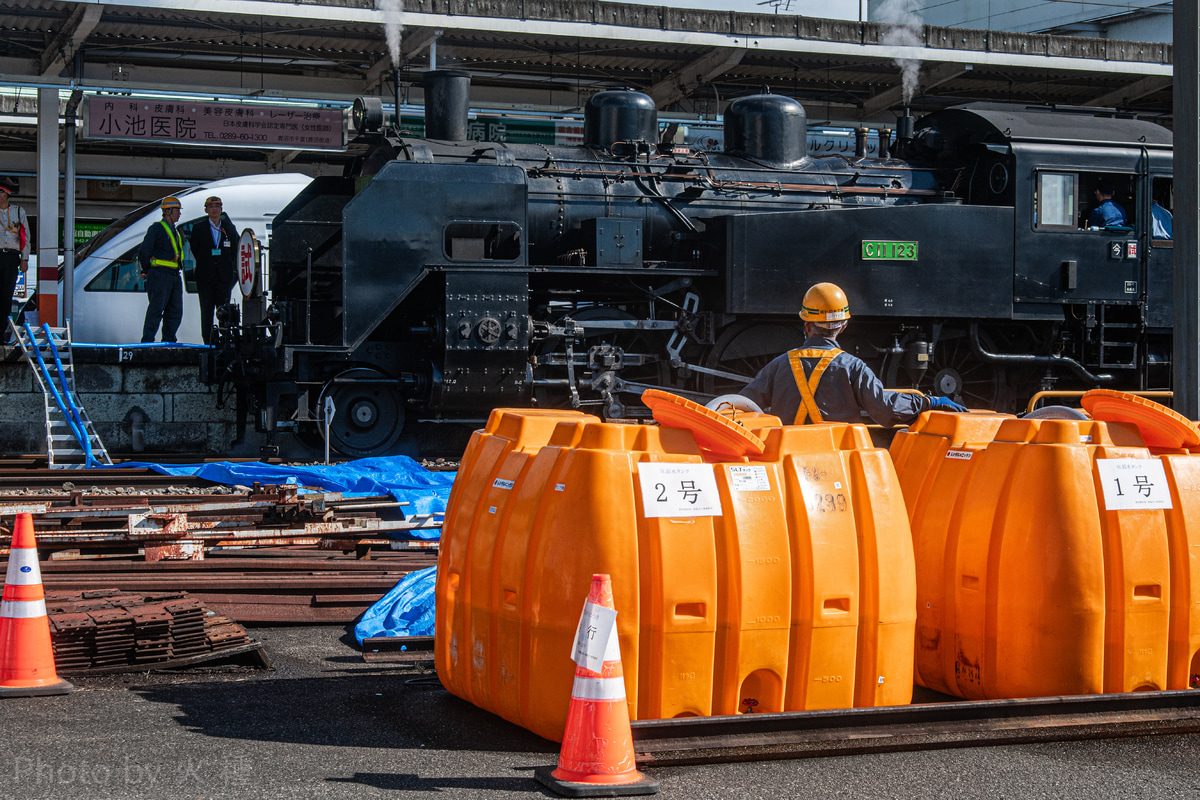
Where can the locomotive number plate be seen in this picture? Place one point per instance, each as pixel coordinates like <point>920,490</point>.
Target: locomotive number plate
<point>889,251</point>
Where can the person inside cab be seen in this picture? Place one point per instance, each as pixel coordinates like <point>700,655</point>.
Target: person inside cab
<point>821,383</point>
<point>1106,212</point>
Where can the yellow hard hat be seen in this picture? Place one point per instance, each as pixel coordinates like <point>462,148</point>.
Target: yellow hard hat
<point>170,202</point>
<point>825,302</point>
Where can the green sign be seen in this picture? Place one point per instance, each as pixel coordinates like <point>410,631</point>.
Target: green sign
<point>510,130</point>
<point>889,251</point>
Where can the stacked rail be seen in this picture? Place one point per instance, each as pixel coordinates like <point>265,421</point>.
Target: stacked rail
<point>108,631</point>
<point>258,555</point>
<point>264,586</point>
<point>77,524</point>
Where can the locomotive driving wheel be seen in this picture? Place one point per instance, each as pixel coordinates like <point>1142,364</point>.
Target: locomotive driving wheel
<point>368,415</point>
<point>742,350</point>
<point>955,371</point>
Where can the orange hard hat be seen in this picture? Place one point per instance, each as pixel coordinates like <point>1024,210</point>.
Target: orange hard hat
<point>825,302</point>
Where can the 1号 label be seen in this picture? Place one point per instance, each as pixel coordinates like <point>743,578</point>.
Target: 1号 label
<point>1133,483</point>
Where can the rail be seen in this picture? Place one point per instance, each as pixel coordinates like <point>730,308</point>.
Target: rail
<point>854,731</point>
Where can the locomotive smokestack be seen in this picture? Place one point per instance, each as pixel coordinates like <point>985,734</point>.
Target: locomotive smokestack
<point>447,101</point>
<point>904,133</point>
<point>396,81</point>
<point>885,143</point>
<point>860,142</point>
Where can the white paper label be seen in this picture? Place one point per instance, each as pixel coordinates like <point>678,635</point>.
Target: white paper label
<point>595,638</point>
<point>560,487</point>
<point>749,478</point>
<point>500,484</point>
<point>964,455</point>
<point>679,490</point>
<point>1133,483</point>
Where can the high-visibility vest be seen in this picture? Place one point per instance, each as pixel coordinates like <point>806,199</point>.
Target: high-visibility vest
<point>176,245</point>
<point>807,384</point>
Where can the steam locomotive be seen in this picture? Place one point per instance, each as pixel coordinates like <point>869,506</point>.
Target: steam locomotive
<point>446,276</point>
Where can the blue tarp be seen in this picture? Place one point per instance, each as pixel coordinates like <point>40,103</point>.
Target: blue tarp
<point>399,476</point>
<point>407,610</point>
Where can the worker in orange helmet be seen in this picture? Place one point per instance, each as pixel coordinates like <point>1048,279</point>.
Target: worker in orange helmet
<point>161,258</point>
<point>821,383</point>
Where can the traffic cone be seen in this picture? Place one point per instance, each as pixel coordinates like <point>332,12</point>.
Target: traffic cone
<point>26,658</point>
<point>596,759</point>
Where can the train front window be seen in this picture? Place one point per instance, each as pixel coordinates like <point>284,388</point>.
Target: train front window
<point>123,274</point>
<point>1056,200</point>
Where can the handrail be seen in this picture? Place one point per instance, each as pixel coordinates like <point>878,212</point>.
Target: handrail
<point>37,351</point>
<point>83,435</point>
<point>1033,401</point>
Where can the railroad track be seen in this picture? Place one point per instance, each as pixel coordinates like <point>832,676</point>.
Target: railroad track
<point>925,726</point>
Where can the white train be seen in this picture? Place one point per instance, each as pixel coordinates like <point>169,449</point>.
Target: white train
<point>110,296</point>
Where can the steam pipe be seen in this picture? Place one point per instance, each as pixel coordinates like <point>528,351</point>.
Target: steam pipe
<point>1028,358</point>
<point>904,133</point>
<point>860,142</point>
<point>396,82</point>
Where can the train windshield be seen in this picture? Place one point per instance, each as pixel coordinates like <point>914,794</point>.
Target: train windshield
<point>93,244</point>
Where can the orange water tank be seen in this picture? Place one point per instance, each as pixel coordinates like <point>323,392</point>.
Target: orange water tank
<point>777,580</point>
<point>1037,572</point>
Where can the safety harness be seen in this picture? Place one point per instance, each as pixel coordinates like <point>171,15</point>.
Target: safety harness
<point>176,245</point>
<point>807,384</point>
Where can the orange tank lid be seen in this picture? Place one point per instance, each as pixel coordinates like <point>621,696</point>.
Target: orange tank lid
<point>1160,426</point>
<point>714,432</point>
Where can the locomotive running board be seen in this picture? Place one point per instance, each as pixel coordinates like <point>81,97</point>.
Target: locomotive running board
<point>932,726</point>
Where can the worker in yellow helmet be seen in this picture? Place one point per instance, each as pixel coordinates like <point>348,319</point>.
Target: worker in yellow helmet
<point>821,383</point>
<point>161,258</point>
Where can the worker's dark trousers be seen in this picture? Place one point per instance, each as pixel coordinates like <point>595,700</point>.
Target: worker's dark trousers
<point>164,291</point>
<point>10,268</point>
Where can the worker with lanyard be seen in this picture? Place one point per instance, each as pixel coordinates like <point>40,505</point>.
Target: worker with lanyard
<point>820,383</point>
<point>161,259</point>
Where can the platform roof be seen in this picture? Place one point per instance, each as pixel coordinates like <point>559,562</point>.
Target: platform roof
<point>548,55</point>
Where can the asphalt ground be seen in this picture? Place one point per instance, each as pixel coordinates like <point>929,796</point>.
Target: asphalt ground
<point>323,724</point>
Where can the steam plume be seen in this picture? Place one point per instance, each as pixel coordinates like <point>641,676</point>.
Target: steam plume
<point>391,27</point>
<point>901,20</point>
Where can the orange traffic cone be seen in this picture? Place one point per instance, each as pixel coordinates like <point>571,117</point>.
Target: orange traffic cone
<point>596,759</point>
<point>26,659</point>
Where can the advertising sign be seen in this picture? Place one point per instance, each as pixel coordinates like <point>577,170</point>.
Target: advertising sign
<point>141,119</point>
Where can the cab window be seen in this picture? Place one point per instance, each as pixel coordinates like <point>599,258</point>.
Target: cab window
<point>1162,209</point>
<point>1056,200</point>
<point>1068,200</point>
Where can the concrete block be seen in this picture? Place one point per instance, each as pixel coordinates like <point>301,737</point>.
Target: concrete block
<point>97,378</point>
<point>16,377</point>
<point>200,408</point>
<point>23,407</point>
<point>163,379</point>
<point>22,437</point>
<point>117,407</point>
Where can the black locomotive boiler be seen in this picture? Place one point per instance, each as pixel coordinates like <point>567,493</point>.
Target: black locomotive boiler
<point>448,276</point>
